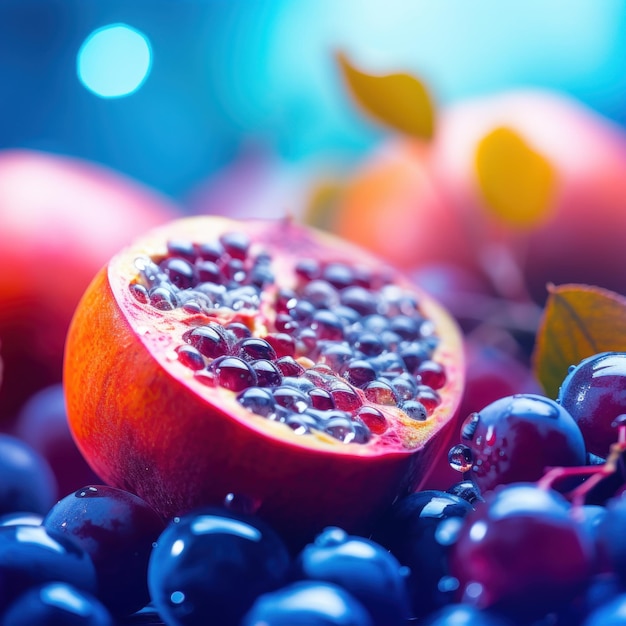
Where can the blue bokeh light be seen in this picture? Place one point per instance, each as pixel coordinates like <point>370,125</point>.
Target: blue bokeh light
<point>114,61</point>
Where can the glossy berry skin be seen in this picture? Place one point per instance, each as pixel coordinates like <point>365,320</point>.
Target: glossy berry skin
<point>309,603</point>
<point>57,604</point>
<point>419,530</point>
<point>611,537</point>
<point>211,564</point>
<point>516,438</point>
<point>117,529</point>
<point>42,424</point>
<point>21,518</point>
<point>594,393</point>
<point>363,568</point>
<point>27,482</point>
<point>32,555</point>
<point>464,615</point>
<point>612,613</point>
<point>522,552</point>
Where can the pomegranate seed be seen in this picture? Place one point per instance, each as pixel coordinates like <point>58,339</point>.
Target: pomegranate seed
<point>267,374</point>
<point>233,373</point>
<point>190,357</point>
<point>432,374</point>
<point>373,419</point>
<point>288,366</point>
<point>321,399</point>
<point>283,344</point>
<point>253,348</point>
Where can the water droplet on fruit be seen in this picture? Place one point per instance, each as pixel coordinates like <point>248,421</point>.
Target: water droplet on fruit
<point>241,503</point>
<point>469,426</point>
<point>460,458</point>
<point>177,597</point>
<point>331,536</point>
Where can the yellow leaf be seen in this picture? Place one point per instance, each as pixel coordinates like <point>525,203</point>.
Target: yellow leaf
<point>516,182</point>
<point>578,321</point>
<point>397,100</point>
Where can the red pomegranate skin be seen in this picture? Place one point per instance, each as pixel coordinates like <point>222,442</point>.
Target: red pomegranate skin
<point>147,426</point>
<point>61,219</point>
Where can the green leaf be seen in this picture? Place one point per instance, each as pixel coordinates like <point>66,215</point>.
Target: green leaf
<point>517,182</point>
<point>398,100</point>
<point>578,321</point>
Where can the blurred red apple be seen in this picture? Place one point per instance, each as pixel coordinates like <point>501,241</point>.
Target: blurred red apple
<point>392,205</point>
<point>580,235</point>
<point>422,202</point>
<point>61,219</point>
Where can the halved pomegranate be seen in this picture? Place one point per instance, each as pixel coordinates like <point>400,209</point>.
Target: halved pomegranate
<point>261,359</point>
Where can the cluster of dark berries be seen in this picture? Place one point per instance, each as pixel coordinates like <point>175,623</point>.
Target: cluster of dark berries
<point>531,535</point>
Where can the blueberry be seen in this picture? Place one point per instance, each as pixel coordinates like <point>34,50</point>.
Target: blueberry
<point>57,604</point>
<point>419,530</point>
<point>33,555</point>
<point>117,529</point>
<point>464,615</point>
<point>364,568</point>
<point>307,603</point>
<point>612,613</point>
<point>27,482</point>
<point>210,565</point>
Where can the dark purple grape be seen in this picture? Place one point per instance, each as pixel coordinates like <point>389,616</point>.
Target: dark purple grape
<point>522,544</point>
<point>363,568</point>
<point>42,424</point>
<point>116,529</point>
<point>419,530</point>
<point>34,555</point>
<point>209,566</point>
<point>516,438</point>
<point>57,604</point>
<point>27,482</point>
<point>594,393</point>
<point>307,603</point>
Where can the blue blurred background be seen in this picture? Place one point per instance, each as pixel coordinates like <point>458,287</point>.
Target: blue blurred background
<point>170,91</point>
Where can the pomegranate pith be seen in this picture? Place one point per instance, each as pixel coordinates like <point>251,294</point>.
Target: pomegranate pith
<point>185,386</point>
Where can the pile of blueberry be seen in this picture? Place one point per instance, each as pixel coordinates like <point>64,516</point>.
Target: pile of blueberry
<point>533,534</point>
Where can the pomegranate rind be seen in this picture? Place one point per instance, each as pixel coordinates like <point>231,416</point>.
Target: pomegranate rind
<point>145,424</point>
